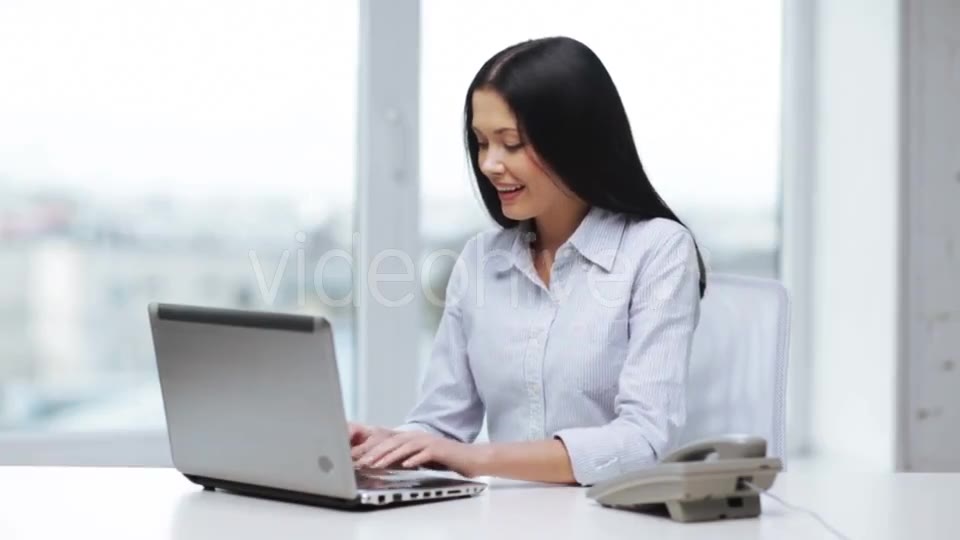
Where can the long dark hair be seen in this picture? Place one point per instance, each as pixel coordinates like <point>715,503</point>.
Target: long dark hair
<point>569,110</point>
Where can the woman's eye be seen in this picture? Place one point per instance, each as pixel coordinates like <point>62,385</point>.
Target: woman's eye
<point>482,144</point>
<point>513,147</point>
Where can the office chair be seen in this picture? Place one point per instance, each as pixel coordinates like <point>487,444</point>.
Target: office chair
<point>738,366</point>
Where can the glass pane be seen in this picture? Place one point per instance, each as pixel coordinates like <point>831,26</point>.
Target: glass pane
<point>701,84</point>
<point>190,152</point>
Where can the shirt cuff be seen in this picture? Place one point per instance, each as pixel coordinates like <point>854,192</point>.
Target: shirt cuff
<point>593,459</point>
<point>603,452</point>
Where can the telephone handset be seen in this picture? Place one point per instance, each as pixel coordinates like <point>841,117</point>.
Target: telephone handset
<point>701,481</point>
<point>728,447</point>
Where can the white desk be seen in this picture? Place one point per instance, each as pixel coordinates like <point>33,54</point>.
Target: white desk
<point>107,504</point>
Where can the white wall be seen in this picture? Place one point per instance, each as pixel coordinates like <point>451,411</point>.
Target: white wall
<point>931,352</point>
<point>855,232</point>
<point>885,317</point>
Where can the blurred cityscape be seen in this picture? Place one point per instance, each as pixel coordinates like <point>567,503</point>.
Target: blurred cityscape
<point>77,272</point>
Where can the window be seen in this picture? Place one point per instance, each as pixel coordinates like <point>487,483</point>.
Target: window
<point>163,151</point>
<point>701,85</point>
<point>193,152</point>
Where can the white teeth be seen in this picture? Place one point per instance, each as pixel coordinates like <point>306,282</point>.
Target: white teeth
<point>509,189</point>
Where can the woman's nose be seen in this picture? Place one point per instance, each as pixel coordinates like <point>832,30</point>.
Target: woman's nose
<point>492,164</point>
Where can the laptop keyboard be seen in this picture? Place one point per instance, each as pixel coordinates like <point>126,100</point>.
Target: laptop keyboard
<point>401,479</point>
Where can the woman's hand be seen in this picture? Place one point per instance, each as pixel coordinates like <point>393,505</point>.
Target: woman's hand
<point>363,436</point>
<point>415,448</point>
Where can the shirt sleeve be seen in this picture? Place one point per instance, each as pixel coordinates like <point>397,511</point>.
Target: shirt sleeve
<point>650,404</point>
<point>449,404</point>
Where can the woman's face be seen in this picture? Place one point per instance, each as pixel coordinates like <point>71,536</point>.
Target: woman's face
<point>525,187</point>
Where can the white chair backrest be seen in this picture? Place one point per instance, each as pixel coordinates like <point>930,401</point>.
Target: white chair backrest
<point>738,365</point>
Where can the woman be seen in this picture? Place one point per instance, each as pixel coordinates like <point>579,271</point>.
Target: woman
<point>570,328</point>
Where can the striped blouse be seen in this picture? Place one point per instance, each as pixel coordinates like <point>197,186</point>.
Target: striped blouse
<point>597,359</point>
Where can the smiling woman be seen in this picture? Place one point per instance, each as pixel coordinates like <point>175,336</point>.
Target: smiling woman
<point>700,82</point>
<point>576,385</point>
<point>556,94</point>
<point>524,187</point>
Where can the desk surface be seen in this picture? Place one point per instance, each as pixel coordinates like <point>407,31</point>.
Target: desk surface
<point>108,504</point>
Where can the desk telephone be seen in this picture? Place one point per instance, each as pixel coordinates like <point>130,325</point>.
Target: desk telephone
<point>702,481</point>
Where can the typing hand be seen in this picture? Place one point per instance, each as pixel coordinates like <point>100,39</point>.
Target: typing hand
<point>413,449</point>
<point>363,436</point>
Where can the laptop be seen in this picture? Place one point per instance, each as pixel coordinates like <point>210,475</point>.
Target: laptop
<point>253,405</point>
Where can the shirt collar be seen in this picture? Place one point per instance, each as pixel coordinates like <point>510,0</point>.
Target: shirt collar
<point>597,239</point>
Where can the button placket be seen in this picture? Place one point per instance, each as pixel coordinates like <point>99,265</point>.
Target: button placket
<point>535,383</point>
<point>563,267</point>
<point>532,372</point>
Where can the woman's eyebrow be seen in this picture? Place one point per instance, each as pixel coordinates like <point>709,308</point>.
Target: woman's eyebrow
<point>496,131</point>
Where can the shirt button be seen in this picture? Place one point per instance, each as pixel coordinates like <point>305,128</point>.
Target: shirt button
<point>535,342</point>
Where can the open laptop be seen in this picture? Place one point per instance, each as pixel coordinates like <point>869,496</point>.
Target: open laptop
<point>253,405</point>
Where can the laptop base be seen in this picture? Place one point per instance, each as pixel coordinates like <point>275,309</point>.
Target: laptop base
<point>299,497</point>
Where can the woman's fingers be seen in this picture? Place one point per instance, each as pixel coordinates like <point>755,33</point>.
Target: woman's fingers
<point>361,449</point>
<point>380,447</point>
<point>403,451</point>
<point>419,458</point>
<point>375,437</point>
